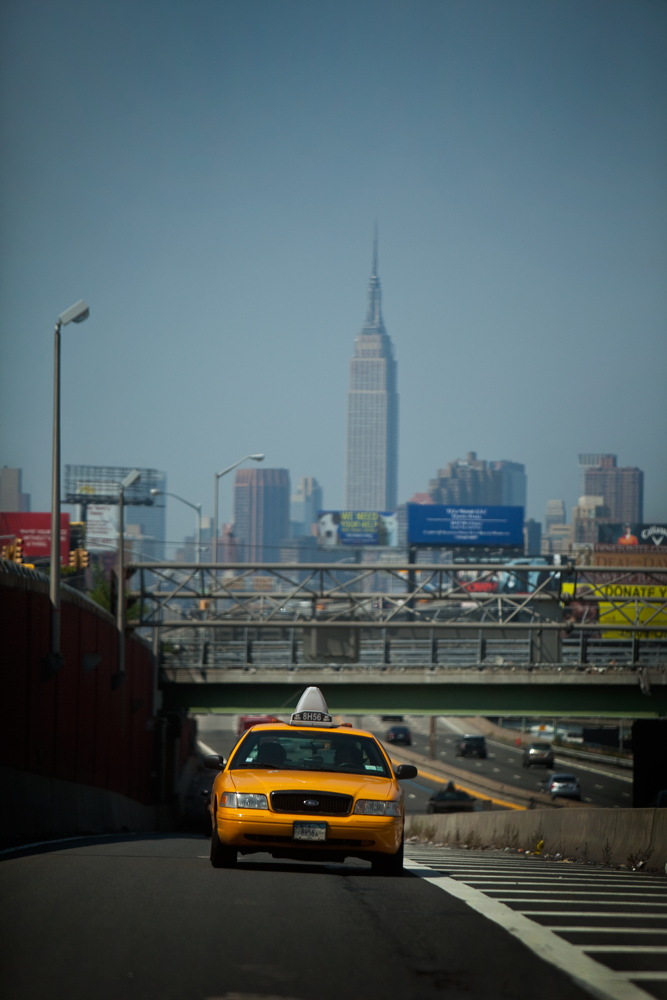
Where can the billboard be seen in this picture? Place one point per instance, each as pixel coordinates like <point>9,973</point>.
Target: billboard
<point>101,528</point>
<point>35,530</point>
<point>439,525</point>
<point>356,527</point>
<point>632,534</point>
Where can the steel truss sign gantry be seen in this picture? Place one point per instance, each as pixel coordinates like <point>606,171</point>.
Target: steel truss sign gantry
<point>401,595</point>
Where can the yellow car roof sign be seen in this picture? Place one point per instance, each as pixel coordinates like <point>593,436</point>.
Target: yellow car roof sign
<point>312,710</point>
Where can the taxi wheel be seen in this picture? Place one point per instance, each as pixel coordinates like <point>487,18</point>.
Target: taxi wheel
<point>222,857</point>
<point>388,864</point>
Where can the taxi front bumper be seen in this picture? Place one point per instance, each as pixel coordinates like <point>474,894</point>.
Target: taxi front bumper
<point>255,830</point>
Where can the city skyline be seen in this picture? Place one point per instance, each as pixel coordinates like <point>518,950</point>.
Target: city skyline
<point>213,202</point>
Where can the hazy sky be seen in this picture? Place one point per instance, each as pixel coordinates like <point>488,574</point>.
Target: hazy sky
<point>207,174</point>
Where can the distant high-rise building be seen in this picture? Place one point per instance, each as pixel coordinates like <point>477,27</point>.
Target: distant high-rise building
<point>532,537</point>
<point>472,481</point>
<point>261,512</point>
<point>371,450</point>
<point>513,483</point>
<point>589,460</point>
<point>555,513</point>
<point>305,505</point>
<point>621,489</point>
<point>586,516</point>
<point>12,499</point>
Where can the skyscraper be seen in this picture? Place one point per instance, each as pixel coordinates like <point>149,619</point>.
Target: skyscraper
<point>475,481</point>
<point>261,512</point>
<point>371,448</point>
<point>305,505</point>
<point>622,489</point>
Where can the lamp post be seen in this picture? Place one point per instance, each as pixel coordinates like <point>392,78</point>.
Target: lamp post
<point>75,314</point>
<point>218,476</point>
<point>195,506</point>
<point>131,478</point>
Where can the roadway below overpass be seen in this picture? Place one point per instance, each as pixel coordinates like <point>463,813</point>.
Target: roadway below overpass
<point>612,693</point>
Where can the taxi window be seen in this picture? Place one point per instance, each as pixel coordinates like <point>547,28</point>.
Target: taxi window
<point>301,750</point>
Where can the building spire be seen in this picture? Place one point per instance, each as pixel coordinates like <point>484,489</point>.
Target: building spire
<point>374,311</point>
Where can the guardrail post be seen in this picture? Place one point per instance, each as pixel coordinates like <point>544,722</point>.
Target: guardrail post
<point>434,648</point>
<point>248,645</point>
<point>293,647</point>
<point>481,647</point>
<point>386,647</point>
<point>635,647</point>
<point>583,647</point>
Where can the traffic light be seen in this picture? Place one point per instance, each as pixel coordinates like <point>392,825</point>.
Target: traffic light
<point>4,552</point>
<point>18,550</point>
<point>74,559</point>
<point>84,558</point>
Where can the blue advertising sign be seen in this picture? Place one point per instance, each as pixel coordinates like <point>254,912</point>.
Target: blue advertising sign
<point>458,527</point>
<point>356,527</point>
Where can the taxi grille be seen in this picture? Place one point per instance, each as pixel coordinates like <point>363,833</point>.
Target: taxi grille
<point>312,803</point>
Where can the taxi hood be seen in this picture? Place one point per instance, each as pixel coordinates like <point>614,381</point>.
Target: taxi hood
<point>356,785</point>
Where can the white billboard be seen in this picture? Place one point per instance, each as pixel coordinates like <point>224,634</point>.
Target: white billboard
<point>101,527</point>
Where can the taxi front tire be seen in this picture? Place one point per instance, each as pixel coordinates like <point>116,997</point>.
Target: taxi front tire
<point>221,855</point>
<point>388,864</point>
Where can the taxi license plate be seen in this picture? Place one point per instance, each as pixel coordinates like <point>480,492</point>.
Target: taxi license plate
<point>310,831</point>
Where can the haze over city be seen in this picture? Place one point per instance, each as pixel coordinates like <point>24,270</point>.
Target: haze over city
<point>208,176</point>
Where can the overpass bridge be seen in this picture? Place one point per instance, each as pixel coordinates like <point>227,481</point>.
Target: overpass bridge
<point>408,638</point>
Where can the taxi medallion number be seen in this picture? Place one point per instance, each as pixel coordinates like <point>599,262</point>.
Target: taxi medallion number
<point>310,831</point>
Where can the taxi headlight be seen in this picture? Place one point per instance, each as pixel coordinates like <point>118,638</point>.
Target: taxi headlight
<point>243,800</point>
<point>372,807</point>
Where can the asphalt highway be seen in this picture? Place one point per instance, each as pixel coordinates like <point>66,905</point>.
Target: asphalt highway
<point>148,918</point>
<point>601,785</point>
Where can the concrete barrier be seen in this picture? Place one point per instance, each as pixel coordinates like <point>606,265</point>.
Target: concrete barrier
<point>602,836</point>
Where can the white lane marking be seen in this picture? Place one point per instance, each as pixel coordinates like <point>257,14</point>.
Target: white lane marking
<point>585,971</point>
<point>628,894</point>
<point>648,977</point>
<point>606,930</point>
<point>627,949</point>
<point>607,902</point>
<point>594,913</point>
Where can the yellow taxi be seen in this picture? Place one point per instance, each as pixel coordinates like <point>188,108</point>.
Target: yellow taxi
<point>309,789</point>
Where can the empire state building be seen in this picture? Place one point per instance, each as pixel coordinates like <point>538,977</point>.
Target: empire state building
<point>371,452</point>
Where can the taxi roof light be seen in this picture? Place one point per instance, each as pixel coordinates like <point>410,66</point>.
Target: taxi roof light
<point>312,710</point>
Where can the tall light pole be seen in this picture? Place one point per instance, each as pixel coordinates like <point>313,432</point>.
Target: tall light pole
<point>75,314</point>
<point>195,506</point>
<point>131,478</point>
<point>218,476</point>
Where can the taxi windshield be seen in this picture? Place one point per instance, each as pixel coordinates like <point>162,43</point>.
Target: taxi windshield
<point>304,750</point>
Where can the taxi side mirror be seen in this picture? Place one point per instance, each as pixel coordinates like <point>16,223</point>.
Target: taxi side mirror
<point>214,761</point>
<point>406,771</point>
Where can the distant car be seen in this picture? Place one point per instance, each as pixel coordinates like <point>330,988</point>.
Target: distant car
<point>399,734</point>
<point>563,786</point>
<point>449,800</point>
<point>538,753</point>
<point>246,722</point>
<point>471,746</point>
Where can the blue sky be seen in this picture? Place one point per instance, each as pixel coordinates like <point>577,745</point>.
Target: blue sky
<point>207,176</point>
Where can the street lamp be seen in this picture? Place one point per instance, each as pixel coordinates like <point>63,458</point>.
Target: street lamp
<point>75,314</point>
<point>131,478</point>
<point>218,476</point>
<point>195,506</point>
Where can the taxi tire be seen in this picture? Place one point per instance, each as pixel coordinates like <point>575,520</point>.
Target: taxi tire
<point>221,856</point>
<point>388,864</point>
